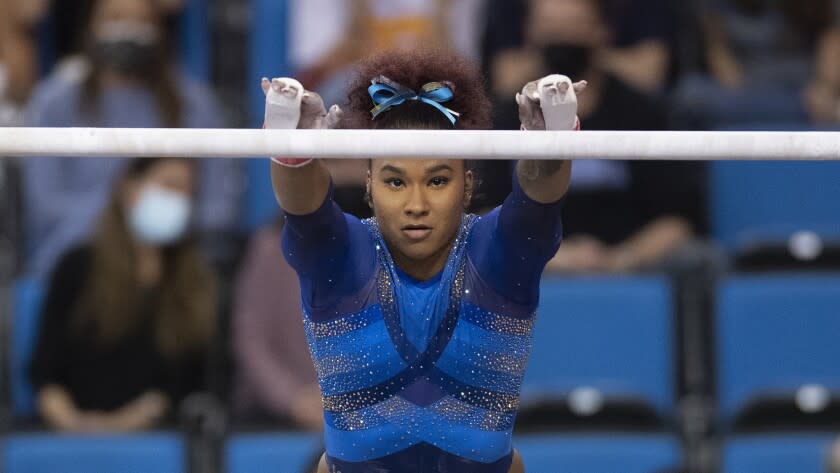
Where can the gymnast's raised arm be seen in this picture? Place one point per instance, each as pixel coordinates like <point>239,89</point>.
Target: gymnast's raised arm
<point>524,233</point>
<point>300,184</point>
<point>547,104</point>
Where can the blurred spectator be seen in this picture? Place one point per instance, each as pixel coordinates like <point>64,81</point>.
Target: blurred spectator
<point>129,316</point>
<point>18,56</point>
<point>633,44</point>
<point>130,82</point>
<point>769,62</point>
<point>618,216</point>
<point>275,378</point>
<point>640,49</point>
<point>70,20</point>
<point>351,30</point>
<point>525,39</point>
<point>635,48</point>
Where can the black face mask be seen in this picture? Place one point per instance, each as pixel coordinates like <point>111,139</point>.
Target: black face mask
<point>570,60</point>
<point>129,57</point>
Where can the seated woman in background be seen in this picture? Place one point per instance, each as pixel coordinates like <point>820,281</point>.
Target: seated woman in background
<point>128,317</point>
<point>129,80</point>
<point>618,216</point>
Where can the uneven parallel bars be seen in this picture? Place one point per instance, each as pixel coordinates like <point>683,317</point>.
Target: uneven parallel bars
<point>238,143</point>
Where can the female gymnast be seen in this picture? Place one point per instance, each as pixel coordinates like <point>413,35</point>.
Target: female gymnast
<point>419,319</point>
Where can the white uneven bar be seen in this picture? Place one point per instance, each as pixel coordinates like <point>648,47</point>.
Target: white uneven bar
<point>231,143</point>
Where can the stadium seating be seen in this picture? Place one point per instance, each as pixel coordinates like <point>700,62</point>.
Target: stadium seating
<point>599,453</point>
<point>612,334</point>
<point>51,453</point>
<point>774,335</point>
<point>28,295</point>
<point>265,452</point>
<point>781,453</point>
<point>766,202</point>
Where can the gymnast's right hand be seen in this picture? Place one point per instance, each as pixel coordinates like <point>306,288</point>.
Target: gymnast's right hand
<point>288,106</point>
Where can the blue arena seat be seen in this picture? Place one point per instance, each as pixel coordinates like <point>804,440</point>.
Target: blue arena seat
<point>270,452</point>
<point>783,453</point>
<point>775,334</point>
<point>612,334</point>
<point>603,453</point>
<point>766,202</point>
<point>51,453</point>
<point>26,308</point>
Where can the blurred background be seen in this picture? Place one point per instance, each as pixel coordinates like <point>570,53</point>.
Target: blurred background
<point>690,321</point>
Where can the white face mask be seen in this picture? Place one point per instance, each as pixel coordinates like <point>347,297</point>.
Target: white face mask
<point>160,217</point>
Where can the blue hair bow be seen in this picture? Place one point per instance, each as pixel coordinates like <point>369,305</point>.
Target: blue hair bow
<point>387,94</point>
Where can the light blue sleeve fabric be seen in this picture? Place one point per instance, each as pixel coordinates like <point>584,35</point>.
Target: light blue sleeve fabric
<point>332,252</point>
<point>511,245</point>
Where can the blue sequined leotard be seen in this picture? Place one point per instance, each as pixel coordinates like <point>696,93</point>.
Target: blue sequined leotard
<point>421,376</point>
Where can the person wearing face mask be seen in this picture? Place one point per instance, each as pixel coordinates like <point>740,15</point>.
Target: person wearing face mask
<point>129,316</point>
<point>625,40</point>
<point>69,21</point>
<point>619,216</point>
<point>129,82</point>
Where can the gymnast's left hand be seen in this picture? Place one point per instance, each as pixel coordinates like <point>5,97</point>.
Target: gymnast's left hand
<point>288,106</point>
<point>550,103</point>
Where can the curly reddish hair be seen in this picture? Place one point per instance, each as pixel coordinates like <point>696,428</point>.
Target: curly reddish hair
<point>414,69</point>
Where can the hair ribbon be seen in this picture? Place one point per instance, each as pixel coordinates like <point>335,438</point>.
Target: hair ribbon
<point>387,94</point>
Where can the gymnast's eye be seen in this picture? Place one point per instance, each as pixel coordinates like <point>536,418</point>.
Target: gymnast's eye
<point>394,182</point>
<point>438,181</point>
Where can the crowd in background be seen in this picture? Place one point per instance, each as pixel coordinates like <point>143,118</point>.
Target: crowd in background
<point>138,254</point>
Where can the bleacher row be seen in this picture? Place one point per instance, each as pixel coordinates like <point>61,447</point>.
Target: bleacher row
<point>264,453</point>
<point>610,338</point>
<point>275,453</point>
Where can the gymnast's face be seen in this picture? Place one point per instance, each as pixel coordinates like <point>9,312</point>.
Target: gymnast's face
<point>419,205</point>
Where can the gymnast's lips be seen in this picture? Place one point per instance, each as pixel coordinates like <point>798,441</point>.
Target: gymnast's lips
<point>416,232</point>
